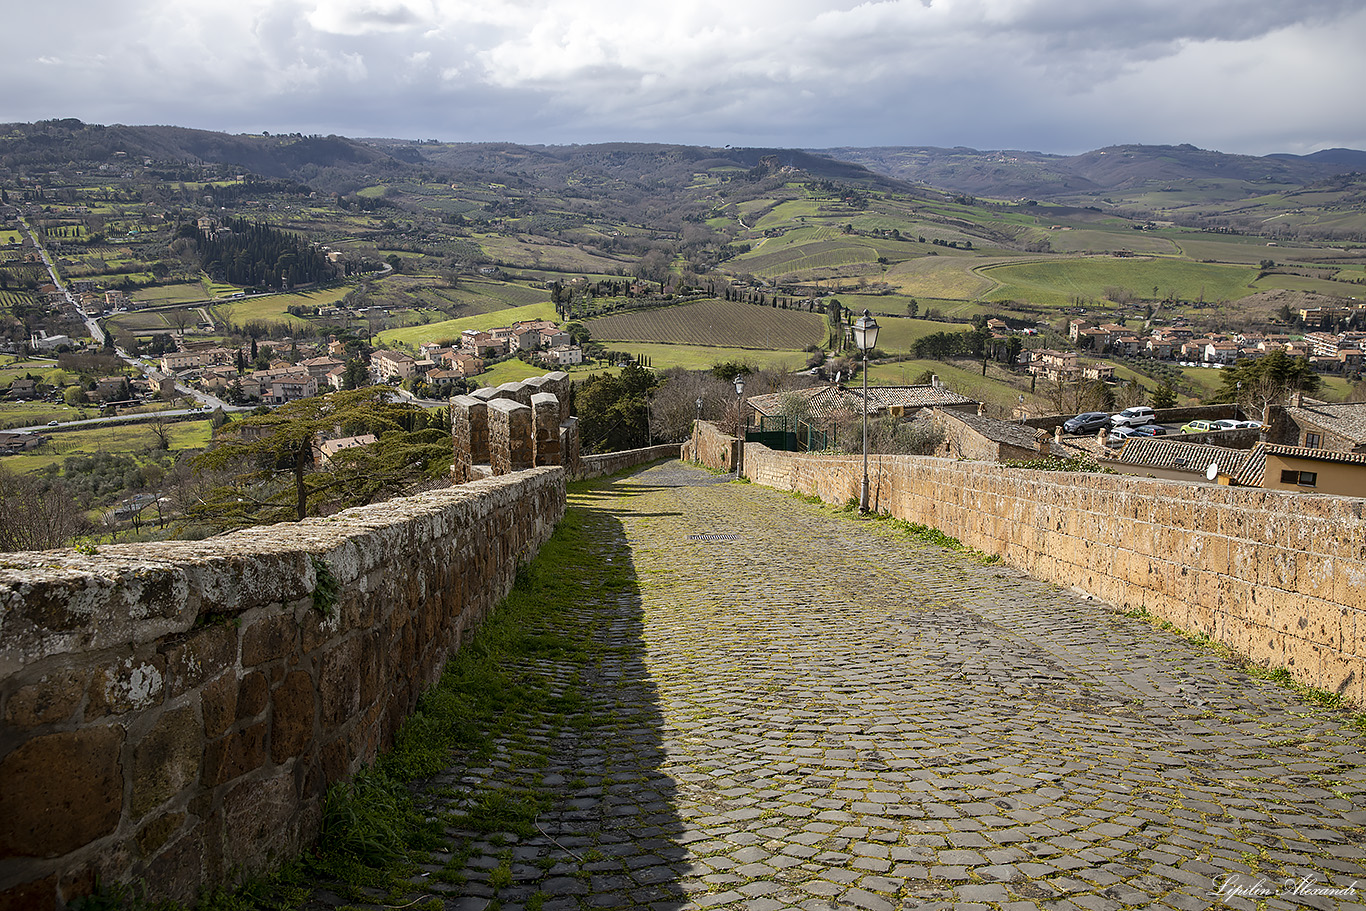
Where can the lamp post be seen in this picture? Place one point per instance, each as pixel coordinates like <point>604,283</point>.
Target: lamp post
<point>739,425</point>
<point>865,338</point>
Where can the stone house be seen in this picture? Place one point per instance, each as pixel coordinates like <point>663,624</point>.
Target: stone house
<point>386,365</point>
<point>1318,425</point>
<point>970,435</point>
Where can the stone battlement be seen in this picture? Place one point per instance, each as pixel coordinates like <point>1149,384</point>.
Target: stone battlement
<point>512,427</point>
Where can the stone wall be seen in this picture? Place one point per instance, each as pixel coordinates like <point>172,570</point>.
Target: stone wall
<point>176,711</point>
<point>595,466</point>
<point>1278,576</point>
<point>709,446</point>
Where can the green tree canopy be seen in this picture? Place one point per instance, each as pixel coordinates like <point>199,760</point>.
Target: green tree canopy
<point>613,411</point>
<point>1255,382</point>
<point>274,468</point>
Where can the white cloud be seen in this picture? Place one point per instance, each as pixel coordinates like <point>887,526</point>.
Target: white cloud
<point>1059,75</point>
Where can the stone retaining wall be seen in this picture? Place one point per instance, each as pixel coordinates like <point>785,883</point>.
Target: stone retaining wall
<point>1278,576</point>
<point>176,711</point>
<point>595,466</point>
<point>711,447</point>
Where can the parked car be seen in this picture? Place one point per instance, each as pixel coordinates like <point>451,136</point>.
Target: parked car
<point>1230,424</point>
<point>1198,427</point>
<point>1117,436</point>
<point>1133,417</point>
<point>1150,430</point>
<point>1087,422</point>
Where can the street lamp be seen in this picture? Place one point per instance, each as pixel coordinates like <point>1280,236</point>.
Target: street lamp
<point>865,337</point>
<point>739,418</point>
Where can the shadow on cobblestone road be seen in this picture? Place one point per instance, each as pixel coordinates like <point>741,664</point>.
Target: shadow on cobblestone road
<point>784,707</point>
<point>570,808</point>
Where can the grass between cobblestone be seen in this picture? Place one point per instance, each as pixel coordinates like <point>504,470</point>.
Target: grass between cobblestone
<point>374,833</point>
<point>925,534</point>
<point>1279,675</point>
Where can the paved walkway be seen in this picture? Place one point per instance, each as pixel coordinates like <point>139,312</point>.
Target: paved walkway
<point>802,710</point>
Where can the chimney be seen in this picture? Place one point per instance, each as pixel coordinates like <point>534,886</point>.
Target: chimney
<point>981,409</point>
<point>1041,441</point>
<point>934,380</point>
<point>1057,434</point>
<point>1297,399</point>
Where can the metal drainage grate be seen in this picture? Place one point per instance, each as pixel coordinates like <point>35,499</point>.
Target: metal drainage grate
<point>713,537</point>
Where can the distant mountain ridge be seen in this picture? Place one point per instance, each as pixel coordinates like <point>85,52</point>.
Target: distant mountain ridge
<point>1011,173</point>
<point>1134,178</point>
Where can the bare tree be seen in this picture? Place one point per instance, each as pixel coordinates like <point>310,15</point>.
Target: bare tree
<point>37,517</point>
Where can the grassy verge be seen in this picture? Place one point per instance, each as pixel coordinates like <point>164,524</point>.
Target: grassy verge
<point>924,534</point>
<point>376,828</point>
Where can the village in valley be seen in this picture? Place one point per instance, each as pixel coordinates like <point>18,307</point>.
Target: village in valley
<point>175,319</point>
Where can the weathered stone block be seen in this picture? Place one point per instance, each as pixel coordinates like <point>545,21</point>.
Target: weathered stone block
<point>166,760</point>
<point>133,684</point>
<point>546,428</point>
<point>234,755</point>
<point>40,893</point>
<point>510,436</point>
<point>177,867</point>
<point>293,717</point>
<point>60,791</point>
<point>156,833</point>
<point>339,683</point>
<point>55,697</point>
<point>270,637</point>
<point>259,822</point>
<point>252,693</point>
<point>218,702</point>
<point>199,657</point>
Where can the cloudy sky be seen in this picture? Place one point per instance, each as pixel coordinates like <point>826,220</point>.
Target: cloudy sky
<point>1065,76</point>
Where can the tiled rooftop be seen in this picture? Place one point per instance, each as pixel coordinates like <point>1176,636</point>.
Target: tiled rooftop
<point>827,401</point>
<point>1346,420</point>
<point>1179,455</point>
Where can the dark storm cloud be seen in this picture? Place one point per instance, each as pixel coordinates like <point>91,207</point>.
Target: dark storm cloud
<point>1057,75</point>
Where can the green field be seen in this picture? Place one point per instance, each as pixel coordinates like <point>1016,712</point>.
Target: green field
<point>267,309</point>
<point>947,277</point>
<point>1060,282</point>
<point>36,414</point>
<point>998,388</point>
<point>811,259</point>
<point>703,357</point>
<point>9,299</point>
<point>451,328</point>
<point>713,323</point>
<point>127,439</point>
<point>181,293</point>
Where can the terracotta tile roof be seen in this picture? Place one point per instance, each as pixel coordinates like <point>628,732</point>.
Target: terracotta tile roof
<point>1318,455</point>
<point>1178,455</point>
<point>1254,469</point>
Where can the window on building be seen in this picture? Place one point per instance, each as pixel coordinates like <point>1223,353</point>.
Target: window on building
<point>1300,478</point>
<point>1312,441</point>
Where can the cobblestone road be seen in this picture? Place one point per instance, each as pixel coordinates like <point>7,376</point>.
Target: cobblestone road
<point>795,709</point>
